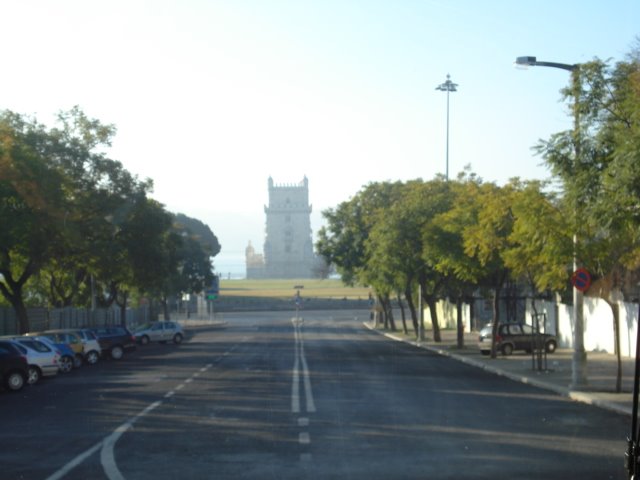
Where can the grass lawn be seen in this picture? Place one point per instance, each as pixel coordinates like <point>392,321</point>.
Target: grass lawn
<point>312,288</point>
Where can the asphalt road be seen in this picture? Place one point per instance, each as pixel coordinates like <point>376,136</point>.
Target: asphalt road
<point>320,397</point>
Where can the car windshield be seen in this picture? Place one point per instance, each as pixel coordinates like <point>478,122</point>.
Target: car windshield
<point>320,239</point>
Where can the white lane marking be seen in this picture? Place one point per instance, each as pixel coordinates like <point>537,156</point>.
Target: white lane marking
<point>304,438</point>
<point>62,472</point>
<point>188,380</point>
<point>303,422</point>
<point>311,405</point>
<point>75,462</point>
<point>106,444</point>
<point>107,458</point>
<point>295,386</point>
<point>300,358</point>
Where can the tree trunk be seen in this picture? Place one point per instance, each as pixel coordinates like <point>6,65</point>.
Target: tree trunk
<point>404,318</point>
<point>21,314</point>
<point>615,309</point>
<point>14,295</point>
<point>496,319</point>
<point>12,290</point>
<point>460,324</point>
<point>388,313</point>
<point>433,310</point>
<point>412,308</point>
<point>123,308</point>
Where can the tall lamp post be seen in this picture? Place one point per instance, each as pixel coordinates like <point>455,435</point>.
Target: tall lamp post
<point>579,360</point>
<point>447,86</point>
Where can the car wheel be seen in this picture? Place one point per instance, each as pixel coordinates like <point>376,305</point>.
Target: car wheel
<point>14,381</point>
<point>92,357</point>
<point>66,364</point>
<point>550,346</point>
<point>507,349</point>
<point>144,340</point>
<point>78,361</point>
<point>177,338</point>
<point>33,375</point>
<point>117,352</point>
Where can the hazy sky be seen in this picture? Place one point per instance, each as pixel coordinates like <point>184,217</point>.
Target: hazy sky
<point>210,98</point>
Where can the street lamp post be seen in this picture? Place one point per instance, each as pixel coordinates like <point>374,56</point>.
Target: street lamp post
<point>579,359</point>
<point>447,86</point>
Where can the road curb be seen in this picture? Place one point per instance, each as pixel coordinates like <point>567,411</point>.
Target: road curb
<point>583,397</point>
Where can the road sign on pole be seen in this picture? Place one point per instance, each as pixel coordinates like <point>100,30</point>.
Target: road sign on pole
<point>581,279</point>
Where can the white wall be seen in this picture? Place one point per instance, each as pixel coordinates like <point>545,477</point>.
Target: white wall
<point>598,323</point>
<point>447,316</point>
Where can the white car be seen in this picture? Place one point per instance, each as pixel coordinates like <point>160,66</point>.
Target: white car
<point>90,346</point>
<point>43,361</point>
<point>160,332</point>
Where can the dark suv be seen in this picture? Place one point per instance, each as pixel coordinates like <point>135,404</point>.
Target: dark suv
<point>115,340</point>
<point>516,336</point>
<point>13,366</point>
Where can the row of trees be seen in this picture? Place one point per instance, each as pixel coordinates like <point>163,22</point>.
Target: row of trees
<point>449,239</point>
<point>76,228</point>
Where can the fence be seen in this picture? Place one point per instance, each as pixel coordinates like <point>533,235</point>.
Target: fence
<point>44,319</point>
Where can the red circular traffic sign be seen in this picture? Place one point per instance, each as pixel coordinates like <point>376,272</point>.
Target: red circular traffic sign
<point>581,279</point>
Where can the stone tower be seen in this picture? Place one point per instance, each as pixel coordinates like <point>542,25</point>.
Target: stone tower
<point>288,247</point>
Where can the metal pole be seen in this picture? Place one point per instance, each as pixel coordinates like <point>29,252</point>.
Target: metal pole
<point>447,164</point>
<point>420,315</point>
<point>579,361</point>
<point>448,87</point>
<point>632,441</point>
<point>579,358</point>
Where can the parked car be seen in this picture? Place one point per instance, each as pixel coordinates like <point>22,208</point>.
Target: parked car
<point>14,368</point>
<point>90,346</point>
<point>115,340</point>
<point>515,336</point>
<point>67,356</point>
<point>42,360</point>
<point>160,332</point>
<point>74,340</point>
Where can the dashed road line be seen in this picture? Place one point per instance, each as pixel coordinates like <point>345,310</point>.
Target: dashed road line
<point>107,444</point>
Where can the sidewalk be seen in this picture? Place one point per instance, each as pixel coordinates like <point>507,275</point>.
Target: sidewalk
<point>601,369</point>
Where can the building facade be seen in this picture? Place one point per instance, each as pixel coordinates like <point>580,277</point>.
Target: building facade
<point>288,246</point>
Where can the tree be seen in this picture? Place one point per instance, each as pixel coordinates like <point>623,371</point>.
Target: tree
<point>198,231</point>
<point>485,238</point>
<point>32,194</point>
<point>600,174</point>
<point>343,241</point>
<point>539,245</point>
<point>444,237</point>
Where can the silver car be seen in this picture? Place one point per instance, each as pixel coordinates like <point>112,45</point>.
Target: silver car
<point>67,357</point>
<point>43,361</point>
<point>160,332</point>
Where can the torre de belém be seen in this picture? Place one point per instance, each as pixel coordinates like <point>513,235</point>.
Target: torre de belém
<point>288,247</point>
